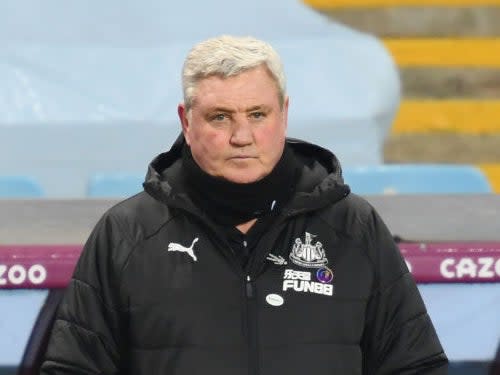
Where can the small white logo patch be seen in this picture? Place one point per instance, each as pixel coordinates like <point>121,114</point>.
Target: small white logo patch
<point>308,254</point>
<point>278,260</point>
<point>274,300</point>
<point>189,250</point>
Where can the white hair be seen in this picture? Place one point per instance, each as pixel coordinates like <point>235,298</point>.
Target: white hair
<point>227,56</point>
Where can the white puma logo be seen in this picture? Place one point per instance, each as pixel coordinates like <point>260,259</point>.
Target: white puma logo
<point>177,247</point>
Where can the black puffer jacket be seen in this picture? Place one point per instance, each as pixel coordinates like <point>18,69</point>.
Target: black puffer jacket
<point>158,290</point>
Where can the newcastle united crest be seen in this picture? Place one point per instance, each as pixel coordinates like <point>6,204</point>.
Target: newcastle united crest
<point>308,254</point>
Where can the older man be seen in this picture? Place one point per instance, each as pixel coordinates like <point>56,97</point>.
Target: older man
<point>245,254</point>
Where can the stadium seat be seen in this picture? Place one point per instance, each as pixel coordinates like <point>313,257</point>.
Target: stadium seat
<point>114,185</point>
<point>19,187</point>
<point>416,179</point>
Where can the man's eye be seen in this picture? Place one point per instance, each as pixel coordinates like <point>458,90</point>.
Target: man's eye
<point>257,115</point>
<point>219,117</point>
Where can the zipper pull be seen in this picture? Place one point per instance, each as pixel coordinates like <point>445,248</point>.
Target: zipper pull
<point>249,287</point>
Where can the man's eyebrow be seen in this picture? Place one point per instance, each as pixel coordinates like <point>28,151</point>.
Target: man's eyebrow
<point>258,107</point>
<point>228,110</point>
<point>219,109</point>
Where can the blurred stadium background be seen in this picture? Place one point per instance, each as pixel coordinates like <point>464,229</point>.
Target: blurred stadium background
<point>405,92</point>
<point>448,54</point>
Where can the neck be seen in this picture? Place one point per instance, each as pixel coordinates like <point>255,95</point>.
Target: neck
<point>245,227</point>
<point>240,205</point>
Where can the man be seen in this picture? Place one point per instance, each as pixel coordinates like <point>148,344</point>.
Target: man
<point>245,254</point>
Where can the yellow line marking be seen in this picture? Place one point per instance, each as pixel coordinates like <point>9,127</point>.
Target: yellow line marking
<point>492,171</point>
<point>459,116</point>
<point>333,4</point>
<point>478,52</point>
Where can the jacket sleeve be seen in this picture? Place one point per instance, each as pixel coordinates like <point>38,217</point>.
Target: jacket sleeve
<point>399,337</point>
<point>86,336</point>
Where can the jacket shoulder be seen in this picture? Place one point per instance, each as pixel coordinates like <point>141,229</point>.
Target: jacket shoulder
<point>139,216</point>
<point>350,215</point>
<point>115,236</point>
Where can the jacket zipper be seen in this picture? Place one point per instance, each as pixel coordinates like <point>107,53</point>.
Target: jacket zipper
<point>250,296</point>
<point>251,302</point>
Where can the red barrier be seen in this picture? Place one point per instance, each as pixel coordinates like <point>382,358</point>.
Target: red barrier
<point>423,248</point>
<point>475,262</point>
<point>37,266</point>
<point>46,266</point>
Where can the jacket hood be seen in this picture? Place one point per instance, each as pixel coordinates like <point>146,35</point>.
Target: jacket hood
<point>320,183</point>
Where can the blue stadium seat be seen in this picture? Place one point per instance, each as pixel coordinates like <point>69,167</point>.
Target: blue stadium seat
<point>117,185</point>
<point>19,187</point>
<point>416,179</point>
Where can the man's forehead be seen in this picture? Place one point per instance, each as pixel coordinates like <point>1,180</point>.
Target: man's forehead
<point>246,101</point>
<point>251,88</point>
<point>230,107</point>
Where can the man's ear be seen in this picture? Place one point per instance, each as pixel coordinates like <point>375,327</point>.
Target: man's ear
<point>184,118</point>
<point>285,111</point>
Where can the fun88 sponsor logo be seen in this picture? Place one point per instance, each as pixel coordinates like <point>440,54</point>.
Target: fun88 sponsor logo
<point>300,281</point>
<point>469,267</point>
<point>17,274</point>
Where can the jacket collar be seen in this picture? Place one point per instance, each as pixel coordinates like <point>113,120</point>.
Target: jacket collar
<point>321,181</point>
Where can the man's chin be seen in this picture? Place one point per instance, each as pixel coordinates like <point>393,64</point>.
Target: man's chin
<point>242,177</point>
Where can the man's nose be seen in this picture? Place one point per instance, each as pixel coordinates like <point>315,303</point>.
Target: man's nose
<point>241,132</point>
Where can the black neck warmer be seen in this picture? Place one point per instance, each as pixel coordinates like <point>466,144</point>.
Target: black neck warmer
<point>230,203</point>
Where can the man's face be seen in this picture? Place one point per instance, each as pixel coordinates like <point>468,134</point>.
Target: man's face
<point>236,127</point>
